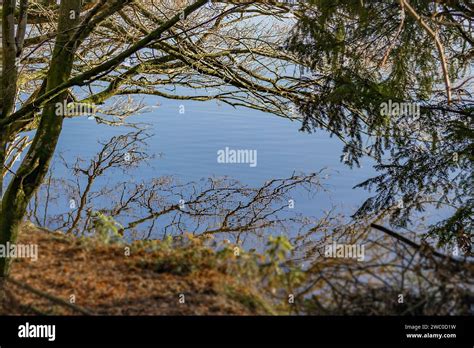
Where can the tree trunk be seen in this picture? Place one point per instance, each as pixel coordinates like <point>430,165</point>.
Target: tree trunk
<point>8,78</point>
<point>35,164</point>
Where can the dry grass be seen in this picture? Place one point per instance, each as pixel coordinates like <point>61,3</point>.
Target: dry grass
<point>106,281</point>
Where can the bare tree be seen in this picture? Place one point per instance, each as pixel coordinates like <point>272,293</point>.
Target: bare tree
<point>143,208</point>
<point>122,47</point>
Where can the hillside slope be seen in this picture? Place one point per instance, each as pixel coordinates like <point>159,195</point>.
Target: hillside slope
<point>116,279</point>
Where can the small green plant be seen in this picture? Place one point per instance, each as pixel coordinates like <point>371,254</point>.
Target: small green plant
<point>278,247</point>
<point>271,274</point>
<point>107,230</point>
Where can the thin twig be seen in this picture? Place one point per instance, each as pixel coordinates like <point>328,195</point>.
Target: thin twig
<point>50,297</point>
<point>412,243</point>
<point>439,45</point>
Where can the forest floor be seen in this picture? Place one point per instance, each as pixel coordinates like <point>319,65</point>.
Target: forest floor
<point>75,276</point>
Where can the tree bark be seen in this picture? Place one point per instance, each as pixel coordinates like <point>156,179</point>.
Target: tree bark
<point>11,47</point>
<point>8,77</point>
<point>34,166</point>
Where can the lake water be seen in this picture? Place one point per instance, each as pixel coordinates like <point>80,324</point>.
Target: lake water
<point>188,143</point>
